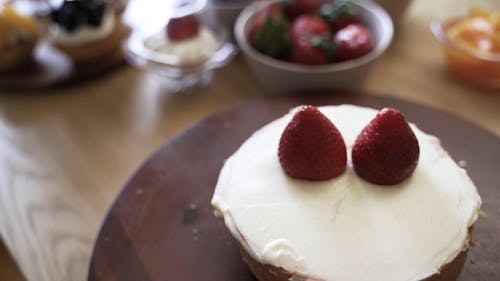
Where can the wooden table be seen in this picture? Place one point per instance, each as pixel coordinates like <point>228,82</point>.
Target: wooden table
<point>65,153</point>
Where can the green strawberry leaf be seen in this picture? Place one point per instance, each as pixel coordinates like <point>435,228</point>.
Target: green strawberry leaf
<point>334,11</point>
<point>272,38</point>
<point>323,42</point>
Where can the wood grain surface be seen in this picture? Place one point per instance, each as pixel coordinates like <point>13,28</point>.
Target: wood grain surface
<point>162,223</point>
<point>65,152</point>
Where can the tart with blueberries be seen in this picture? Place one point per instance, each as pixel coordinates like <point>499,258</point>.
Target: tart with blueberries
<point>86,30</point>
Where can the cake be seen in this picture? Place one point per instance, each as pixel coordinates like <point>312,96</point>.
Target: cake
<point>86,31</point>
<point>18,38</point>
<point>347,228</point>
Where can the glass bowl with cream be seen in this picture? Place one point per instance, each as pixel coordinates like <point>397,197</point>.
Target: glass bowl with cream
<point>186,47</point>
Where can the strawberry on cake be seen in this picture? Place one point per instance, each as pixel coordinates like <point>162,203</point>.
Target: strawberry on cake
<point>344,193</point>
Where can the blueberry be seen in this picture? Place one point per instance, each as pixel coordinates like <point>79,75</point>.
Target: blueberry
<point>74,13</point>
<point>68,15</point>
<point>95,14</point>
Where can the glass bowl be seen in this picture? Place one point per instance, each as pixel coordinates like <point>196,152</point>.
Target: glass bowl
<point>474,66</point>
<point>182,64</point>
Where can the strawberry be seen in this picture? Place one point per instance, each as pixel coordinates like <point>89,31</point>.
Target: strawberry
<point>339,15</point>
<point>268,31</point>
<point>312,41</point>
<point>311,147</point>
<point>308,25</point>
<point>183,28</point>
<point>301,7</point>
<point>353,41</point>
<point>310,52</point>
<point>386,151</point>
<point>344,21</point>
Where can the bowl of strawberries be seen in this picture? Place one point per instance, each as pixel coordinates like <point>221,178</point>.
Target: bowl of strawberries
<point>293,45</point>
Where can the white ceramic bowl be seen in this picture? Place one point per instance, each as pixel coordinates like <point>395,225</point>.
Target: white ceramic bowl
<point>278,76</point>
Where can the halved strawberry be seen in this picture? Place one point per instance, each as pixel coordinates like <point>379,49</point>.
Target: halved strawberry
<point>311,147</point>
<point>297,8</point>
<point>268,31</point>
<point>183,28</point>
<point>386,151</point>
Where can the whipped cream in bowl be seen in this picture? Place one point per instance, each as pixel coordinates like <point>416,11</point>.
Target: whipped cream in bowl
<point>346,228</point>
<point>190,52</point>
<point>187,61</point>
<point>182,65</point>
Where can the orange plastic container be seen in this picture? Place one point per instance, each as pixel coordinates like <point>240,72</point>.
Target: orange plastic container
<point>471,45</point>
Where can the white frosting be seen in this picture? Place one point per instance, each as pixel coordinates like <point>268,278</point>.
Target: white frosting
<point>346,228</point>
<point>84,33</point>
<point>190,51</point>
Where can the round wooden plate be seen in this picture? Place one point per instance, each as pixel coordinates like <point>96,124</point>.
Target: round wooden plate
<point>162,227</point>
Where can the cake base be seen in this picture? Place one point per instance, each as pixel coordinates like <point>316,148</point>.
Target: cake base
<point>267,272</point>
<point>97,50</point>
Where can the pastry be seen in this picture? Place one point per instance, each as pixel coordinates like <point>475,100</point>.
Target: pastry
<point>18,38</point>
<point>86,31</point>
<point>415,223</point>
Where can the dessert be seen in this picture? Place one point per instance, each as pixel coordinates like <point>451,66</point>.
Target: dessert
<point>86,30</point>
<point>18,37</point>
<point>185,41</point>
<point>345,227</point>
<point>477,31</point>
<point>471,43</point>
<point>310,32</point>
